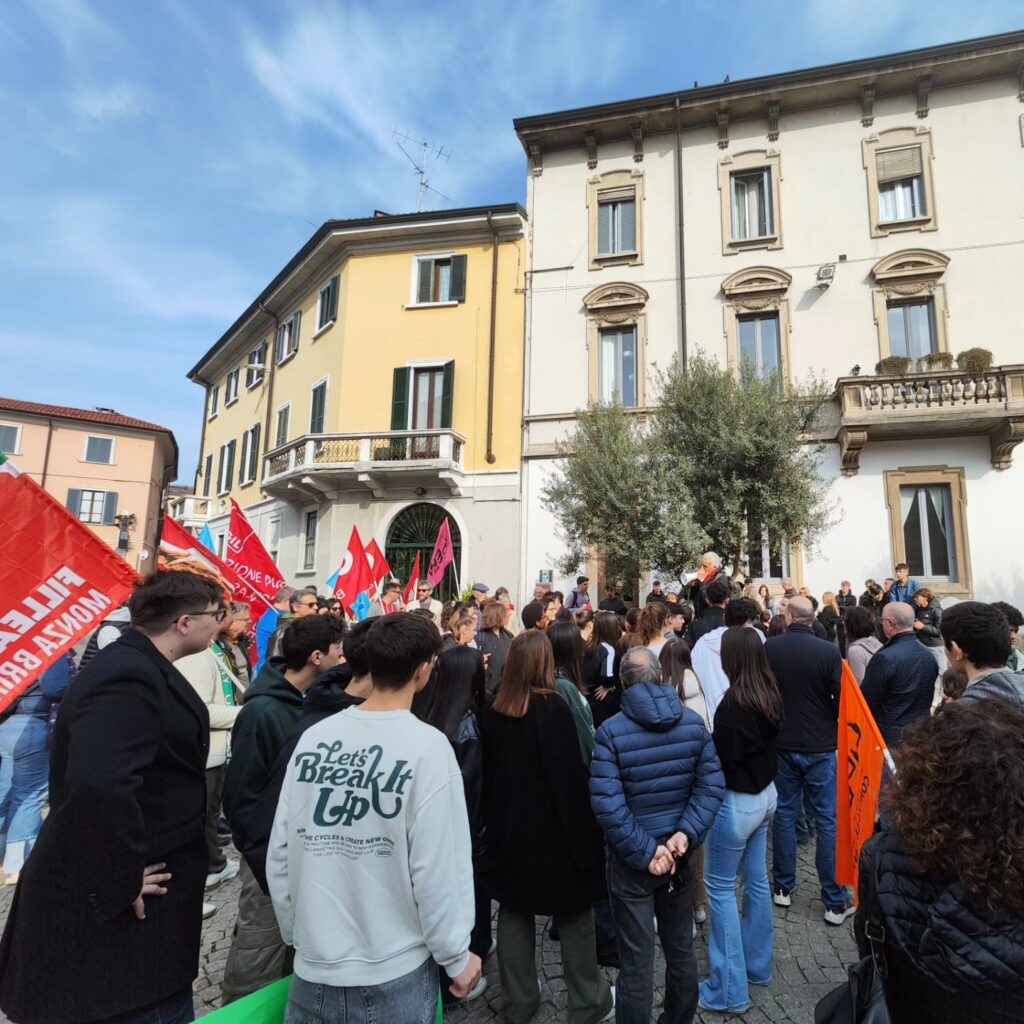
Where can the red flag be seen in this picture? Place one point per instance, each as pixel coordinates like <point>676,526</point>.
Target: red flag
<point>443,553</point>
<point>58,581</point>
<point>354,576</point>
<point>378,563</point>
<point>249,558</point>
<point>862,752</point>
<point>414,582</point>
<point>178,542</point>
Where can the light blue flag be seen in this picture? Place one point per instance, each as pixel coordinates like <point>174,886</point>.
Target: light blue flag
<point>206,538</point>
<point>332,581</point>
<point>362,606</point>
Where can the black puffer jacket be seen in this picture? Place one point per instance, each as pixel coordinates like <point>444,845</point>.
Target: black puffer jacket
<point>949,957</point>
<point>930,618</point>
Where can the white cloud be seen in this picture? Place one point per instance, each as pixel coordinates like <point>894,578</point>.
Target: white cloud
<point>119,101</point>
<point>76,25</point>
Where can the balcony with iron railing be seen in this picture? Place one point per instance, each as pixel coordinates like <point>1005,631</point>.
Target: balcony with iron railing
<point>381,463</point>
<point>933,404</point>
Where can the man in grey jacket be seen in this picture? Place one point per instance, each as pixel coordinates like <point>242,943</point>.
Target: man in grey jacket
<point>977,639</point>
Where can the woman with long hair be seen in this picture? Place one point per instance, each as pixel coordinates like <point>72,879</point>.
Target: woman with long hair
<point>746,726</point>
<point>829,615</point>
<point>494,641</point>
<point>461,629</point>
<point>601,667</point>
<point>545,852</point>
<point>944,877</point>
<point>567,650</point>
<point>764,597</point>
<point>650,627</point>
<point>777,626</point>
<point>862,641</point>
<point>452,702</point>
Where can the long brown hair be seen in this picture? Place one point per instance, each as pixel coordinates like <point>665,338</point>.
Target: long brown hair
<point>675,663</point>
<point>567,650</point>
<point>650,626</point>
<point>529,669</point>
<point>752,683</point>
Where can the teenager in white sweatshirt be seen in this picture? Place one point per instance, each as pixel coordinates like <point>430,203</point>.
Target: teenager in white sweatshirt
<point>370,861</point>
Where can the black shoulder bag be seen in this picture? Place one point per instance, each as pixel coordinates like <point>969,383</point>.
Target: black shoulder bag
<point>861,999</point>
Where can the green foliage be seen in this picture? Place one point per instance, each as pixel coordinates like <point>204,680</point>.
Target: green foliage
<point>612,492</point>
<point>717,452</point>
<point>936,361</point>
<point>893,365</point>
<point>975,360</point>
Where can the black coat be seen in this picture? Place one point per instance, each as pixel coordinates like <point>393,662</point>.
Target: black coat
<point>808,671</point>
<point>949,957</point>
<point>595,675</point>
<point>544,851</point>
<point>829,619</point>
<point>930,618</point>
<point>127,789</point>
<point>899,685</point>
<point>496,645</point>
<point>713,617</point>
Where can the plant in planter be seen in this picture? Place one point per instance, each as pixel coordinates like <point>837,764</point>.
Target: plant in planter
<point>893,366</point>
<point>975,360</point>
<point>935,361</point>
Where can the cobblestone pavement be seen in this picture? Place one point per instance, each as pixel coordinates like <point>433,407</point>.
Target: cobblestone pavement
<point>810,959</point>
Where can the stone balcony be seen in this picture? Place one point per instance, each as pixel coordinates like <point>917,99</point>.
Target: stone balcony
<point>943,403</point>
<point>383,463</point>
<point>192,510</point>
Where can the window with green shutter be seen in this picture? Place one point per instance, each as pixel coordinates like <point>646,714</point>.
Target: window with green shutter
<point>440,279</point>
<point>400,398</point>
<point>328,304</point>
<point>318,408</point>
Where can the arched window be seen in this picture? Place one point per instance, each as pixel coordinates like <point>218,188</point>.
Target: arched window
<point>756,320</point>
<point>910,303</point>
<point>617,343</point>
<point>414,531</point>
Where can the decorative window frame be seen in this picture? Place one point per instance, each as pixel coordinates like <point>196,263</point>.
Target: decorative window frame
<point>908,274</point>
<point>894,138</point>
<point>956,478</point>
<point>756,290</point>
<point>750,160</point>
<point>610,180</point>
<point>617,304</point>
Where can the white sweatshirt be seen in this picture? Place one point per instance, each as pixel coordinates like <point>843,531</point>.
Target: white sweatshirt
<point>370,863</point>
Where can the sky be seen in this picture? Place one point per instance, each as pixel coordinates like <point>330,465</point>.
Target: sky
<point>161,160</point>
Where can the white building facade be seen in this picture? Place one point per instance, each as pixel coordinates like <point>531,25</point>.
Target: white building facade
<point>812,222</point>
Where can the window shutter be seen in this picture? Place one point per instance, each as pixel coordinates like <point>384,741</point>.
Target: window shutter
<point>316,416</point>
<point>604,228</point>
<point>231,464</point>
<point>207,474</point>
<point>447,387</point>
<point>769,211</point>
<point>894,164</point>
<point>425,274</point>
<point>221,465</point>
<point>255,457</point>
<point>110,508</point>
<point>400,399</point>
<point>332,312</point>
<point>296,321</point>
<point>627,220</point>
<point>457,292</point>
<point>75,501</point>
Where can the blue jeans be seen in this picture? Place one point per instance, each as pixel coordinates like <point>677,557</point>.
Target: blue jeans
<point>637,898</point>
<point>815,773</point>
<point>176,1009</point>
<point>740,949</point>
<point>24,767</point>
<point>411,999</point>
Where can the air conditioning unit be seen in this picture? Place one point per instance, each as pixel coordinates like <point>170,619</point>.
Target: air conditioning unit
<point>826,275</point>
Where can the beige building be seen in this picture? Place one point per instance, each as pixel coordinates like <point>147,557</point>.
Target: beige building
<point>812,222</point>
<point>110,471</point>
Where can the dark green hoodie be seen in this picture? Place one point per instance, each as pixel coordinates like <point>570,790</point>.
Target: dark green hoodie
<point>270,709</point>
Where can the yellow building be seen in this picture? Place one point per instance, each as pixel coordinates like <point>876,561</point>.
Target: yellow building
<point>377,382</point>
<point>110,471</point>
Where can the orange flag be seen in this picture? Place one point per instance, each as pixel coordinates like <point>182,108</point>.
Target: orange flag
<point>862,755</point>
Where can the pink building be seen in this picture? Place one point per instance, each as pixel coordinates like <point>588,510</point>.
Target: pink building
<point>111,471</point>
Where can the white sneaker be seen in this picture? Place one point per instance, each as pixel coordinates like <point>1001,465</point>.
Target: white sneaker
<point>226,873</point>
<point>477,990</point>
<point>209,909</point>
<point>838,916</point>
<point>610,1015</point>
<point>782,897</point>
<point>700,915</point>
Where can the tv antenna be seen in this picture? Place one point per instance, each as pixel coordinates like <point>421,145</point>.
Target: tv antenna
<point>427,152</point>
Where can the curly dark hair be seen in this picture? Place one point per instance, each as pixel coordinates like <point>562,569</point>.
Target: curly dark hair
<point>956,802</point>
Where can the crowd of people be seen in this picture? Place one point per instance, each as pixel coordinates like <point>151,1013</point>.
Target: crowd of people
<point>614,769</point>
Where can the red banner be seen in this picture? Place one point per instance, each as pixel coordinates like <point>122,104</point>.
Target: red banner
<point>443,553</point>
<point>378,563</point>
<point>249,558</point>
<point>58,581</point>
<point>176,541</point>
<point>354,576</point>
<point>862,754</point>
<point>414,583</point>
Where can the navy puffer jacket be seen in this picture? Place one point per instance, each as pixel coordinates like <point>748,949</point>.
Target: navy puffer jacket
<point>654,773</point>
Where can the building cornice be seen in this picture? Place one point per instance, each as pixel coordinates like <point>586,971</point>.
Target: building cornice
<point>999,56</point>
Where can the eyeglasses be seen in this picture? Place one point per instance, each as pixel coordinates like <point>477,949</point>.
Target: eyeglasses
<point>220,614</point>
